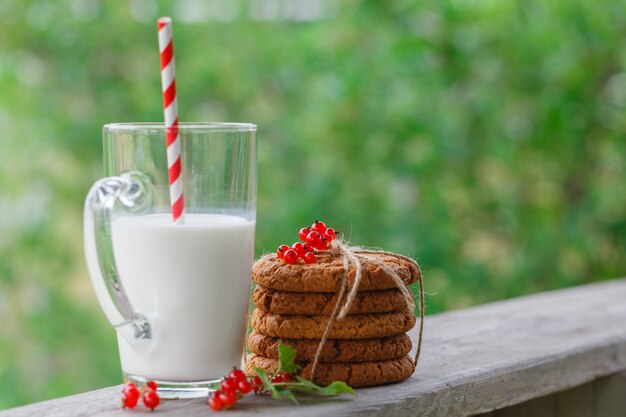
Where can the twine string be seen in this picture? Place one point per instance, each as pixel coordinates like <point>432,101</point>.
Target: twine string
<point>333,315</point>
<point>352,256</point>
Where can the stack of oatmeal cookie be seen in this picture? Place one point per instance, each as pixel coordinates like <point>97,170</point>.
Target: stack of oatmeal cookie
<point>293,304</point>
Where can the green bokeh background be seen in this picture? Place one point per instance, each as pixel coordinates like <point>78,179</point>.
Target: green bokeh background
<point>485,138</point>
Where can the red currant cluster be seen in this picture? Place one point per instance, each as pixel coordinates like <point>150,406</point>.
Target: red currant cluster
<point>316,237</point>
<point>280,377</point>
<point>236,385</point>
<point>131,394</point>
<point>233,386</point>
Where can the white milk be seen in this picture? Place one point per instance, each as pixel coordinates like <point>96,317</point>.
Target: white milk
<point>192,282</point>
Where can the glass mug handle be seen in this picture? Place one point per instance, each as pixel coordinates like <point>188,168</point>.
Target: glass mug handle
<point>132,192</point>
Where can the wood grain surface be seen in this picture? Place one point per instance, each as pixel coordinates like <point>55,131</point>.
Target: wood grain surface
<point>474,361</point>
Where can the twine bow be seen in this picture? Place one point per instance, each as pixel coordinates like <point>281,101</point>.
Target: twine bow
<point>354,256</point>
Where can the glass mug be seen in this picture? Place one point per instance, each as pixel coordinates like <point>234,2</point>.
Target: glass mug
<point>176,294</point>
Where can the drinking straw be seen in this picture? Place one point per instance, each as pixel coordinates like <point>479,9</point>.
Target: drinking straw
<point>170,110</point>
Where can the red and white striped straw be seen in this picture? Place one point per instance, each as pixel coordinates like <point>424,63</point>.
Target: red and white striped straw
<point>170,106</point>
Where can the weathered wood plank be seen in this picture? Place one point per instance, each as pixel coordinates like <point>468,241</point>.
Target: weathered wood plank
<point>539,407</point>
<point>576,402</point>
<point>610,396</point>
<point>474,361</point>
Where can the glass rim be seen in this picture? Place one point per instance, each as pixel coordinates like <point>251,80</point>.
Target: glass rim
<point>147,127</point>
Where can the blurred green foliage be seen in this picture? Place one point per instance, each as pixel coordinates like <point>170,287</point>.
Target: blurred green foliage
<point>484,138</point>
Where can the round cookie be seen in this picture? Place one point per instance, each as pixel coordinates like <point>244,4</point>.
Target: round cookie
<point>334,350</point>
<point>327,273</point>
<point>363,374</point>
<point>358,326</point>
<point>283,302</point>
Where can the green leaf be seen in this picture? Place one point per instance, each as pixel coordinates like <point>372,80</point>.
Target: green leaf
<point>334,388</point>
<point>277,391</point>
<point>286,363</point>
<point>286,359</point>
<point>266,382</point>
<point>287,393</point>
<point>337,388</point>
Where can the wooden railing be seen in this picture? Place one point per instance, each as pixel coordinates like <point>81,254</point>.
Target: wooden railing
<point>554,354</point>
<point>603,397</point>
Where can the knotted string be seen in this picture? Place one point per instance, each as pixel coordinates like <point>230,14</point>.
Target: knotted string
<point>353,256</point>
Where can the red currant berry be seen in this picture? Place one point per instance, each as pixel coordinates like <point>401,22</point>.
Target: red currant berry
<point>277,379</point>
<point>308,248</point>
<point>257,384</point>
<point>299,248</point>
<point>330,234</point>
<point>131,391</point>
<point>215,403</point>
<point>322,244</point>
<point>291,257</point>
<point>286,377</point>
<point>238,374</point>
<point>152,385</point>
<point>281,377</point>
<point>244,386</point>
<point>309,258</point>
<point>151,399</point>
<point>280,252</point>
<point>227,398</point>
<point>318,227</point>
<point>229,385</point>
<point>129,401</point>
<point>313,239</point>
<point>304,232</point>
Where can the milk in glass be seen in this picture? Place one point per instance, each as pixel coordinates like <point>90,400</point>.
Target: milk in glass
<point>192,282</point>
